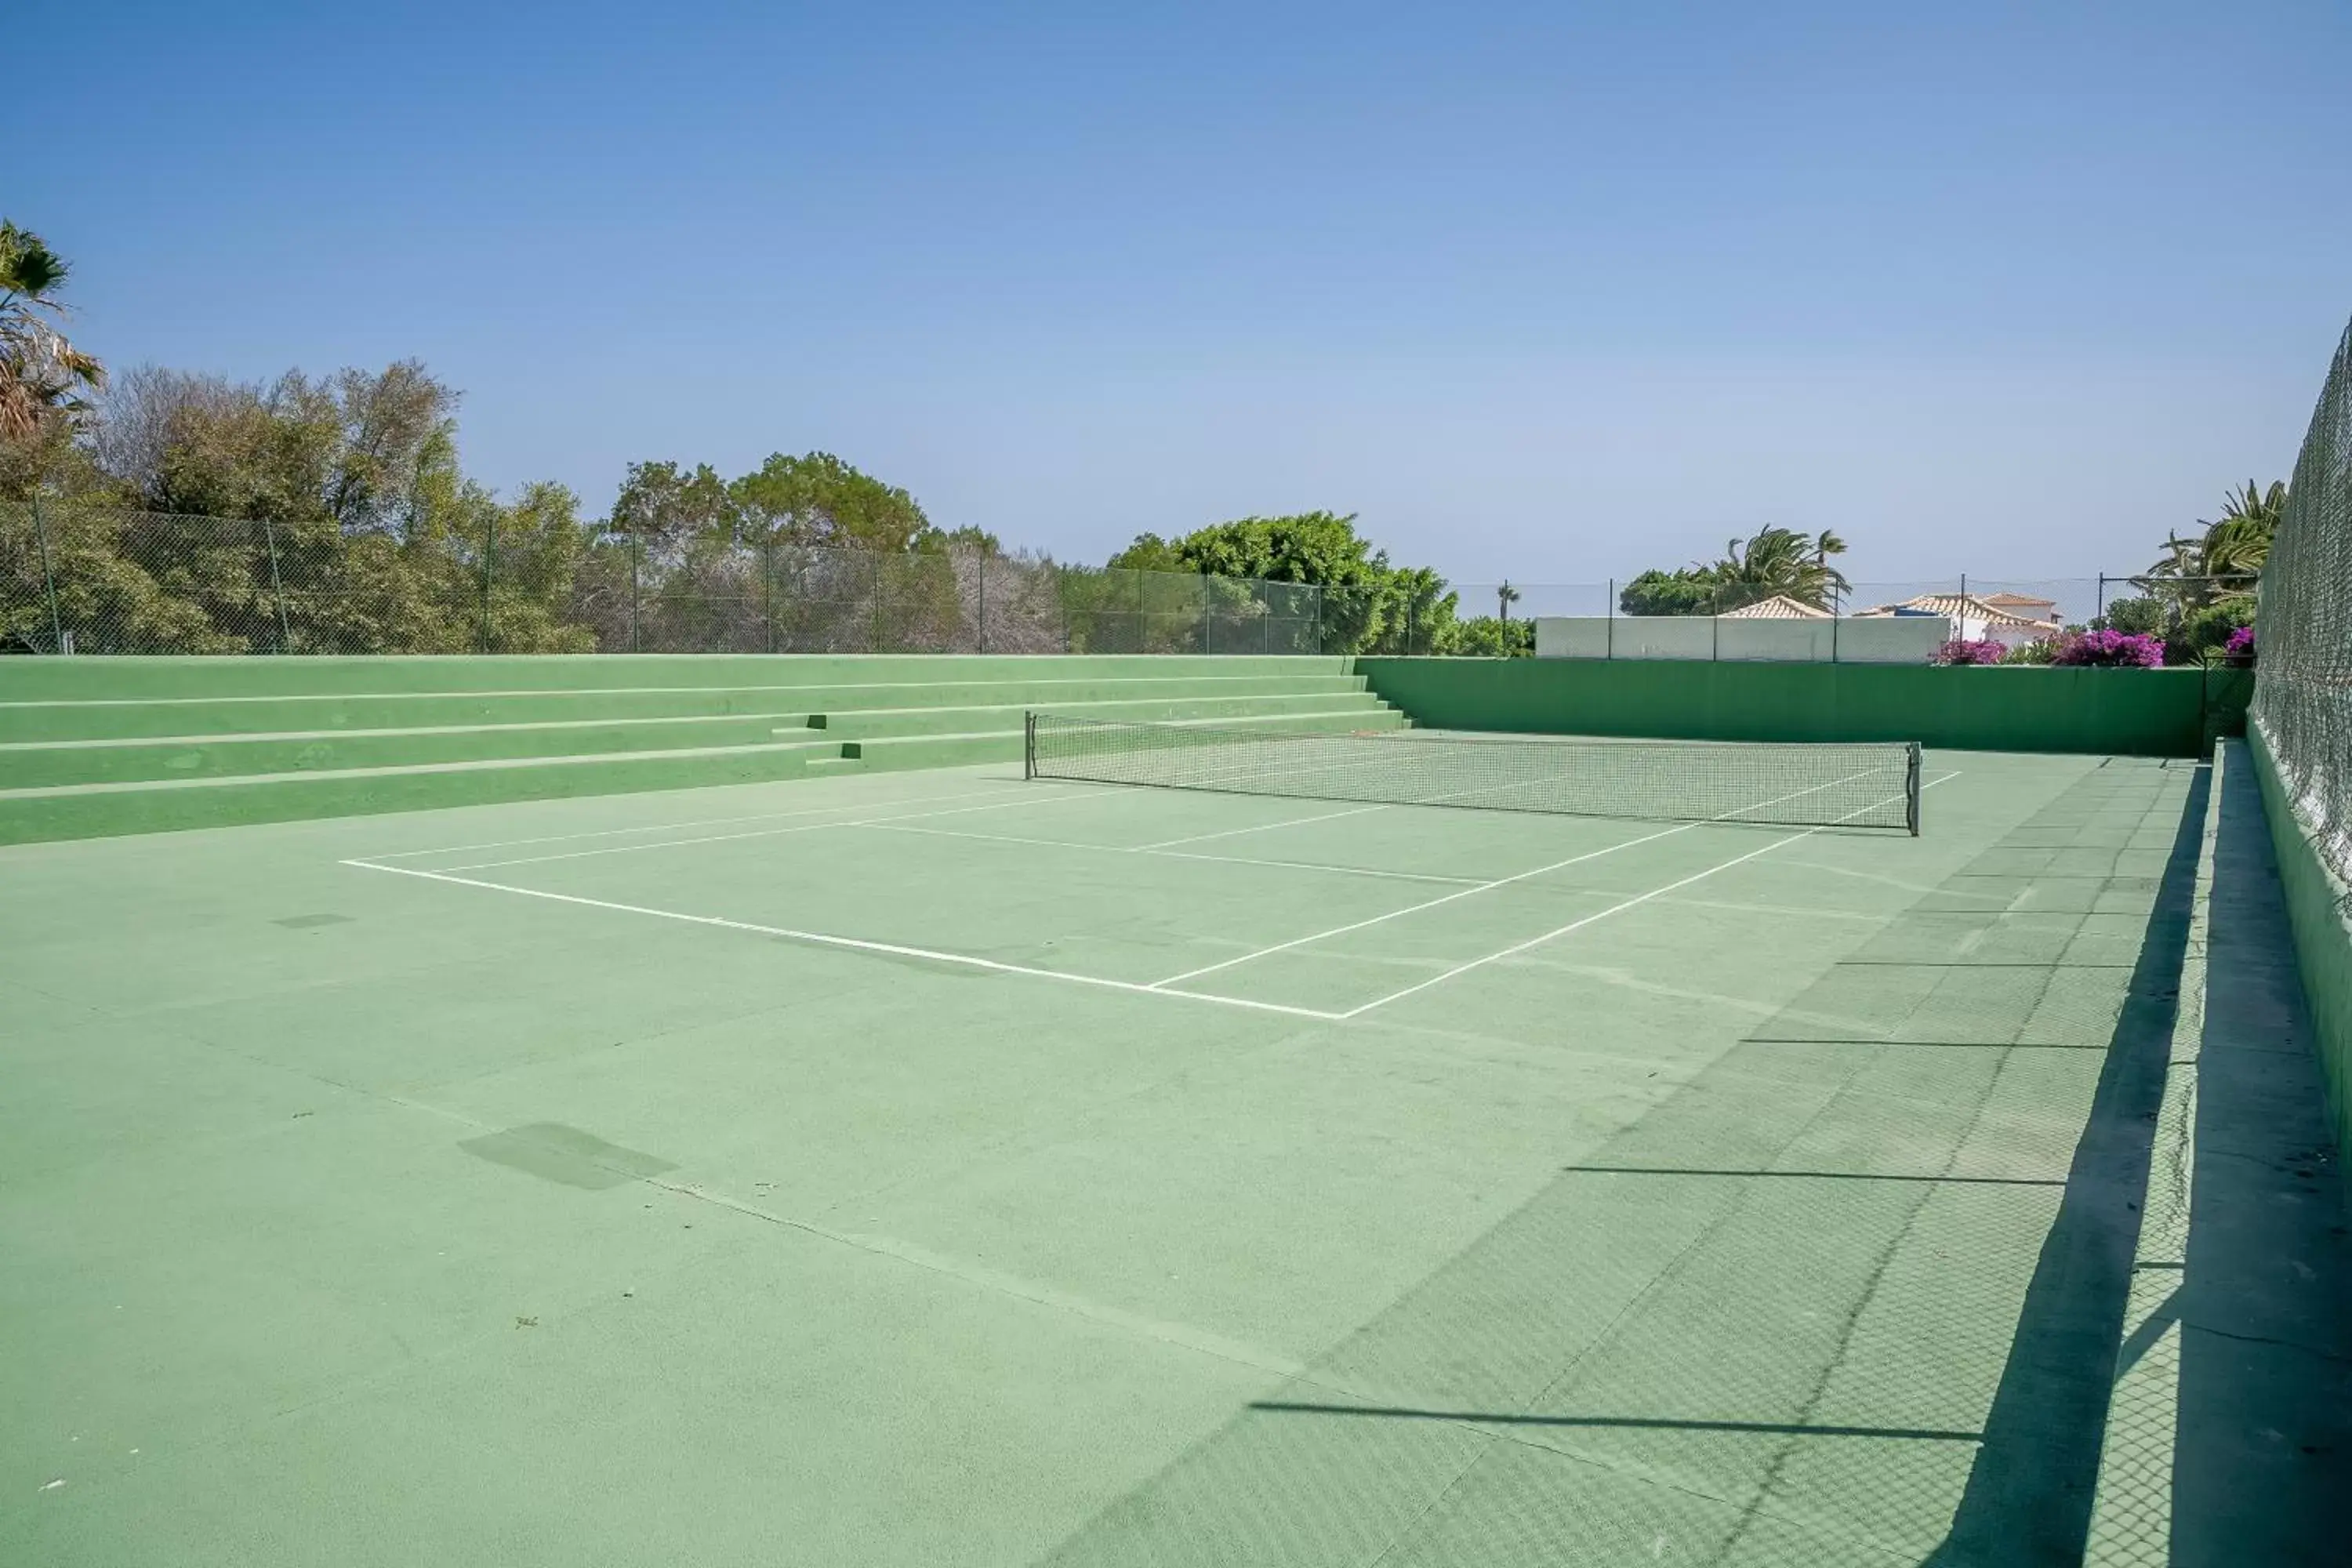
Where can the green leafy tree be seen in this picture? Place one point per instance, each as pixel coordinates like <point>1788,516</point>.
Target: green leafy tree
<point>1488,636</point>
<point>1365,602</point>
<point>1690,591</point>
<point>818,499</point>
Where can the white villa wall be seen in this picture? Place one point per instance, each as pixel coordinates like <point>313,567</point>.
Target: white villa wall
<point>1849,639</point>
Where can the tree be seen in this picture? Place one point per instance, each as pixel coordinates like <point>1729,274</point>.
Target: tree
<point>2222,559</point>
<point>1365,602</point>
<point>1505,597</point>
<point>818,499</point>
<point>43,377</point>
<point>1781,561</point>
<point>1773,561</point>
<point>666,508</point>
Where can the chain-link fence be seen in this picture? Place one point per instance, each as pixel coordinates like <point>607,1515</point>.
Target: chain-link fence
<point>99,580</point>
<point>2303,700</point>
<point>105,581</point>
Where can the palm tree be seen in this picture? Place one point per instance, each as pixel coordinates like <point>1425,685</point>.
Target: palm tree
<point>2225,557</point>
<point>1779,560</point>
<point>42,375</point>
<point>1505,597</point>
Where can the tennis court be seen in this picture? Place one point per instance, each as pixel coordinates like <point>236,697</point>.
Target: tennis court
<point>954,1167</point>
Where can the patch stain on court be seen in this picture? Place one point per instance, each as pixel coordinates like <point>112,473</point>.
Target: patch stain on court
<point>309,923</point>
<point>566,1155</point>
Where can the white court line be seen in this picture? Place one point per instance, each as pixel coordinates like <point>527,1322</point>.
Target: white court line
<point>1519,876</point>
<point>1169,854</point>
<point>1429,904</point>
<point>1263,826</point>
<point>823,939</point>
<point>1638,899</point>
<point>674,826</point>
<point>1157,988</point>
<point>771,832</point>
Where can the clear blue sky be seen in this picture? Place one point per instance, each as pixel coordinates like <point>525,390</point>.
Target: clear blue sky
<point>1553,291</point>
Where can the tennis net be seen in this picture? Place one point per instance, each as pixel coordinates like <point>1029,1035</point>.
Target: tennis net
<point>1865,785</point>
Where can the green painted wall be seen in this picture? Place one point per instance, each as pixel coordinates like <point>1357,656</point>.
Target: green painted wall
<point>2317,911</point>
<point>2130,713</point>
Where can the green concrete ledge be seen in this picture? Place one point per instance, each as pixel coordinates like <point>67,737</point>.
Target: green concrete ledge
<point>178,717</point>
<point>2228,1437</point>
<point>2319,913</point>
<point>40,763</point>
<point>129,677</point>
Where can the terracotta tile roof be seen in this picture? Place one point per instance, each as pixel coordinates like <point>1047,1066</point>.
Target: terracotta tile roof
<point>1965,608</point>
<point>1778,607</point>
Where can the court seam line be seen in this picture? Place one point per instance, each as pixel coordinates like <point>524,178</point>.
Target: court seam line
<point>666,826</point>
<point>770,832</point>
<point>1429,904</point>
<point>859,944</point>
<point>1263,826</point>
<point>1523,876</point>
<point>1167,854</point>
<point>1583,922</point>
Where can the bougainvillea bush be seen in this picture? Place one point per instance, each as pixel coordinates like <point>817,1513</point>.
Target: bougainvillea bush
<point>2240,646</point>
<point>1959,651</point>
<point>2111,647</point>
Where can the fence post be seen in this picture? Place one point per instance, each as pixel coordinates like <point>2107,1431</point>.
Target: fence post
<point>2099,604</point>
<point>768,590</point>
<point>489,574</point>
<point>48,579</point>
<point>877,601</point>
<point>983,601</point>
<point>1608,634</point>
<point>1714,625</point>
<point>635,551</point>
<point>1062,597</point>
<point>276,584</point>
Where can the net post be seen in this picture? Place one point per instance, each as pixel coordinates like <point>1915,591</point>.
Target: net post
<point>1029,745</point>
<point>1911,789</point>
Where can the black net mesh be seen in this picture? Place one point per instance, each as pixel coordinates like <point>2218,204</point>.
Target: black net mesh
<point>2303,697</point>
<point>1873,785</point>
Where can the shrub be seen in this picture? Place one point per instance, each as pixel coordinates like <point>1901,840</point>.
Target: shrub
<point>2045,651</point>
<point>2241,645</point>
<point>2122,649</point>
<point>2206,632</point>
<point>1961,651</point>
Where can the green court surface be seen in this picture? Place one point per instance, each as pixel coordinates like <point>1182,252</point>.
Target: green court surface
<point>943,1168</point>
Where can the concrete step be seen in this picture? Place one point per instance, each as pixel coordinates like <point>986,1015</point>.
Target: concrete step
<point>892,751</point>
<point>1049,683</point>
<point>96,810</point>
<point>903,721</point>
<point>122,677</point>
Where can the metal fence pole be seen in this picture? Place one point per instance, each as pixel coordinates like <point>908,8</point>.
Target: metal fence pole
<point>2099,604</point>
<point>489,574</point>
<point>1204,612</point>
<point>636,555</point>
<point>49,579</point>
<point>768,590</point>
<point>1608,646</point>
<point>1062,597</point>
<point>877,602</point>
<point>1715,624</point>
<point>983,601</point>
<point>277,585</point>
